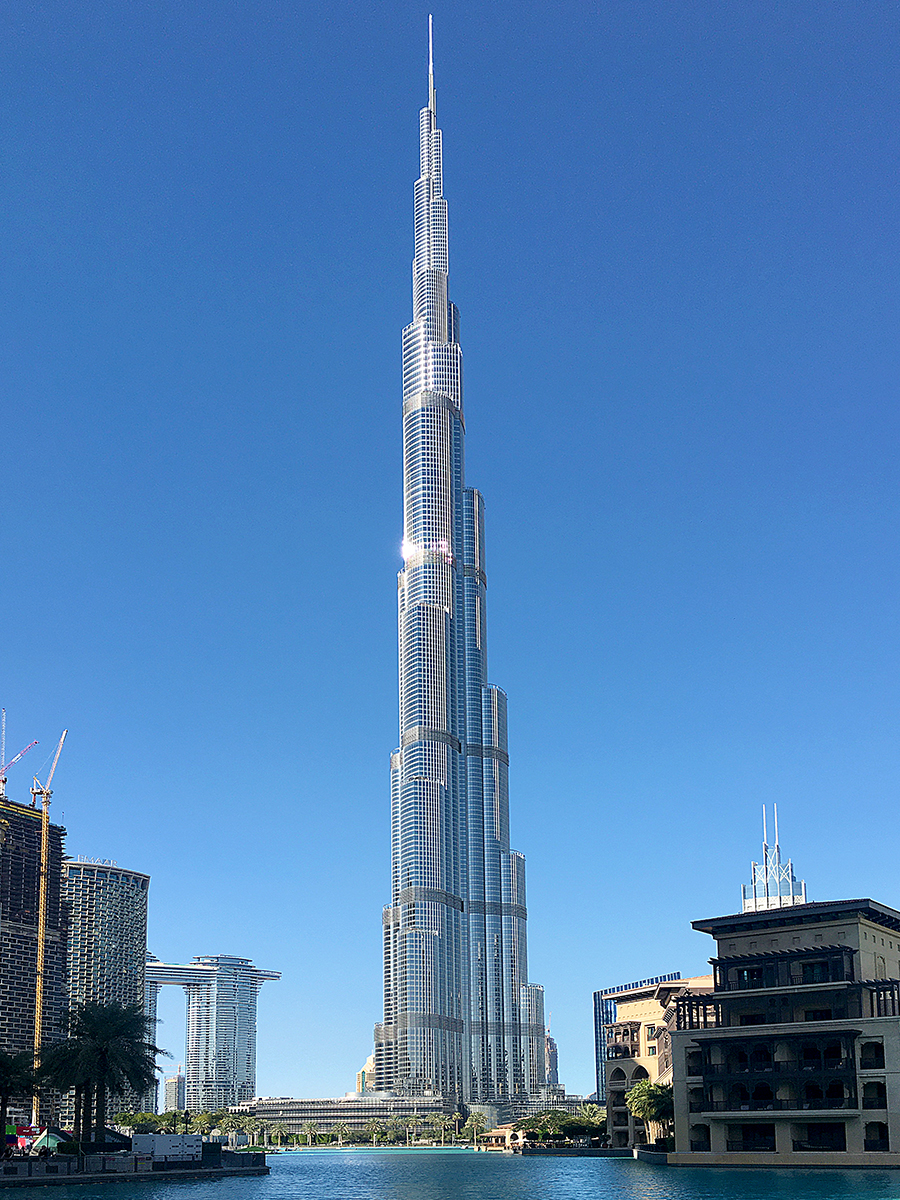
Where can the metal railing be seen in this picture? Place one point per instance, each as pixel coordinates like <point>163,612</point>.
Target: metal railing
<point>825,1102</point>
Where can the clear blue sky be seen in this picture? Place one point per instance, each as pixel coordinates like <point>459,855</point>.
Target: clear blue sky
<point>674,248</point>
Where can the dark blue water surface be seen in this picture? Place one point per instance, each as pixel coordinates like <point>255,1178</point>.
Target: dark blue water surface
<point>417,1175</point>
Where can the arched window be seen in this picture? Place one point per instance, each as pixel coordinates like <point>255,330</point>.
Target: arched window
<point>700,1138</point>
<point>876,1136</point>
<point>874,1094</point>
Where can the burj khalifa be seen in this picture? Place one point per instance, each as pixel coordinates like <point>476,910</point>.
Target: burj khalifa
<point>460,1018</point>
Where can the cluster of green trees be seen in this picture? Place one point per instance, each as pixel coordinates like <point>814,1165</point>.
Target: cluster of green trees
<point>393,1131</point>
<point>557,1125</point>
<point>108,1049</point>
<point>220,1121</point>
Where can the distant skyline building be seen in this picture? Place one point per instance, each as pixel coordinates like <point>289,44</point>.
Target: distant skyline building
<point>551,1060</point>
<point>220,1054</point>
<point>107,943</point>
<point>174,1091</point>
<point>455,950</point>
<point>772,882</point>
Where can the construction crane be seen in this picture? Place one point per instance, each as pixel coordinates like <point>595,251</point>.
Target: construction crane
<point>42,790</point>
<point>4,765</point>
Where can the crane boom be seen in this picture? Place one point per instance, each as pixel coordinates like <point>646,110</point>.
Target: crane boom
<point>4,767</point>
<point>55,760</point>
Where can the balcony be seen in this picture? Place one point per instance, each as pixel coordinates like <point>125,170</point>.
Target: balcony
<point>701,1106</point>
<point>757,1146</point>
<point>780,1066</point>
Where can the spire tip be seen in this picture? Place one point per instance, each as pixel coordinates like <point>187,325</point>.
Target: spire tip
<point>431,63</point>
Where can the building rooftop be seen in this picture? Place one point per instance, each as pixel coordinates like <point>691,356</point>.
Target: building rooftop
<point>800,914</point>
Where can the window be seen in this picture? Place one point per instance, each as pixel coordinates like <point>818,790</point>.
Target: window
<point>752,1019</point>
<point>815,972</point>
<point>817,1014</point>
<point>651,1050</point>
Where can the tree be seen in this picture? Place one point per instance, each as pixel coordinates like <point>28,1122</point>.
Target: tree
<point>395,1128</point>
<point>413,1125</point>
<point>372,1130</point>
<point>591,1114</point>
<point>652,1103</point>
<point>203,1122</point>
<point>137,1122</point>
<point>311,1130</point>
<point>230,1124</point>
<point>440,1124</point>
<point>250,1126</point>
<point>17,1078</point>
<point>455,1119</point>
<point>279,1132</point>
<point>107,1050</point>
<point>340,1130</point>
<point>477,1123</point>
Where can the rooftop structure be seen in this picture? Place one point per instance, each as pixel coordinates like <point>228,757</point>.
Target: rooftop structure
<point>772,882</point>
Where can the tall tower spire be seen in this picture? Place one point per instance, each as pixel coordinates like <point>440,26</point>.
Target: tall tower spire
<point>459,1015</point>
<point>431,103</point>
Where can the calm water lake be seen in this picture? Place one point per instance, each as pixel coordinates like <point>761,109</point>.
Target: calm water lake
<point>418,1175</point>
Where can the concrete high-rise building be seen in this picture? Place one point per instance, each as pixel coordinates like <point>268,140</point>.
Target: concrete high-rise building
<point>551,1060</point>
<point>20,871</point>
<point>220,1053</point>
<point>107,931</point>
<point>107,944</point>
<point>174,1090</point>
<point>455,950</point>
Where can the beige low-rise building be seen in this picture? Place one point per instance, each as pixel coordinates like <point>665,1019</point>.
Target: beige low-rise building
<point>632,1049</point>
<point>794,1059</point>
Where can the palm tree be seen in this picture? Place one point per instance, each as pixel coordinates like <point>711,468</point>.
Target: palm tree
<point>372,1129</point>
<point>311,1130</point>
<point>652,1103</point>
<point>250,1126</point>
<point>477,1123</point>
<point>436,1123</point>
<point>591,1114</point>
<point>342,1130</point>
<point>230,1124</point>
<point>395,1127</point>
<point>107,1050</point>
<point>202,1122</point>
<point>413,1125</point>
<point>279,1131</point>
<point>456,1118</point>
<point>16,1079</point>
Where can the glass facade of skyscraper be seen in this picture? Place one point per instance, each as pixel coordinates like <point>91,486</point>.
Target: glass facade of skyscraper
<point>458,1017</point>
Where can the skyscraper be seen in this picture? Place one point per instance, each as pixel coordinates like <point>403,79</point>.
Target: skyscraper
<point>107,946</point>
<point>455,954</point>
<point>20,875</point>
<point>220,1057</point>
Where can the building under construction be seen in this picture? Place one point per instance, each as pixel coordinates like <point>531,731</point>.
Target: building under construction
<point>20,887</point>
